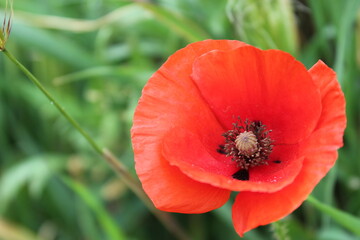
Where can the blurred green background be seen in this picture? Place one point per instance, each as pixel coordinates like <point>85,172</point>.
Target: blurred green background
<point>95,56</point>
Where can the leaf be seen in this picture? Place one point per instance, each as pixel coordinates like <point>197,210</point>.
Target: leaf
<point>334,233</point>
<point>345,34</point>
<point>110,227</point>
<point>63,48</point>
<point>179,24</point>
<point>34,172</point>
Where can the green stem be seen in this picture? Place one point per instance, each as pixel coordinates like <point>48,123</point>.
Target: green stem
<point>280,230</point>
<point>52,100</point>
<point>348,221</point>
<point>166,219</point>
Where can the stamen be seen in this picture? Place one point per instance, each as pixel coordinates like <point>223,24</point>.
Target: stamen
<point>247,144</point>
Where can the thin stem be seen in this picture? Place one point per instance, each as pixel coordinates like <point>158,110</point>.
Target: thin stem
<point>52,100</point>
<point>352,223</point>
<point>280,230</point>
<point>165,218</point>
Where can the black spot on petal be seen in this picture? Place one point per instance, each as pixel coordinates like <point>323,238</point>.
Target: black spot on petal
<point>242,175</point>
<point>221,149</point>
<point>277,161</point>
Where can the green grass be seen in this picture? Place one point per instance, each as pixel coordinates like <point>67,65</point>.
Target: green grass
<point>95,58</point>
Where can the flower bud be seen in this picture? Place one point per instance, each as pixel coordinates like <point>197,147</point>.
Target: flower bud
<point>6,25</point>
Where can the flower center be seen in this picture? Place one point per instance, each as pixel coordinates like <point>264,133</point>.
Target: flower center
<point>248,144</point>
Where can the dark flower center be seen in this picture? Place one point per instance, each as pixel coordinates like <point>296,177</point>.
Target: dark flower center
<point>248,144</point>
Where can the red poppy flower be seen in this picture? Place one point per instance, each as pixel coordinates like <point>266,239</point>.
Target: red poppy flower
<point>222,116</point>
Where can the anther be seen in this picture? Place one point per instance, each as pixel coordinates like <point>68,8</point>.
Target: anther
<point>248,144</point>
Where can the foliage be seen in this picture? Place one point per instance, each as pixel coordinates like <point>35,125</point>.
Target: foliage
<point>95,56</point>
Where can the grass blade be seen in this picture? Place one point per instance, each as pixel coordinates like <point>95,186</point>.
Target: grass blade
<point>184,27</point>
<point>112,230</point>
<point>344,219</point>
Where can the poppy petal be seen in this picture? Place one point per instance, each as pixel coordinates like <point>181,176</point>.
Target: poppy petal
<point>170,98</point>
<point>259,85</point>
<point>320,150</point>
<point>187,150</point>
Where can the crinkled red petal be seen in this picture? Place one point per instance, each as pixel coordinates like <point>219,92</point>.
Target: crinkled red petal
<point>269,86</point>
<point>194,153</point>
<point>252,209</point>
<point>245,83</point>
<point>171,99</point>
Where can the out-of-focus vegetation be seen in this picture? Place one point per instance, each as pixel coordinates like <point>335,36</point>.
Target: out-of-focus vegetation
<point>95,56</point>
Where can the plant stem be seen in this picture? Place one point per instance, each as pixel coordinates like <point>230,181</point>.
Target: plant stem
<point>348,221</point>
<point>165,218</point>
<point>280,230</point>
<point>53,101</point>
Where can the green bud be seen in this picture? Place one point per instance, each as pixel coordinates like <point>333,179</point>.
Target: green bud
<point>6,25</point>
<point>267,24</point>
